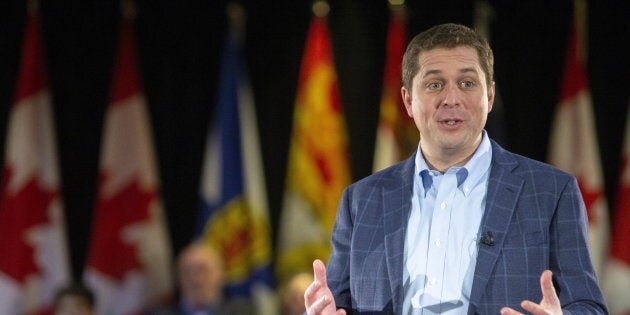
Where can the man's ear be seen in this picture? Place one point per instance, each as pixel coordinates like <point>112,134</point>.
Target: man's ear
<point>406,96</point>
<point>491,94</point>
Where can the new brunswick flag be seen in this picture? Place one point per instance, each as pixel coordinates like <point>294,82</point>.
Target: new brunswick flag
<point>396,136</point>
<point>234,212</point>
<point>318,166</point>
<point>34,262</point>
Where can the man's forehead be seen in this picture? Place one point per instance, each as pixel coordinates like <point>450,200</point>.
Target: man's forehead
<point>463,59</point>
<point>459,54</point>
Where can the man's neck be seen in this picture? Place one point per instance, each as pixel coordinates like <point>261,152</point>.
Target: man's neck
<point>443,159</point>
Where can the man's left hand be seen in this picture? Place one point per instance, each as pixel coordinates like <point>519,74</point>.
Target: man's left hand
<point>550,304</point>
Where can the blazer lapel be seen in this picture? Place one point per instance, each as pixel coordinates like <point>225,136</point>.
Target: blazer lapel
<point>504,189</point>
<point>396,201</point>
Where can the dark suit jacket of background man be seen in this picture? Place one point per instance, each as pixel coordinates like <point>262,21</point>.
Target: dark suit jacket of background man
<point>231,307</point>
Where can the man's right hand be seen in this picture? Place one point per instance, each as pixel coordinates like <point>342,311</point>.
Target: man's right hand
<point>318,298</point>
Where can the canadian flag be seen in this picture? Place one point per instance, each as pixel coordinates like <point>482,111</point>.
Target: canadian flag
<point>617,273</point>
<point>34,261</point>
<point>128,264</point>
<point>574,149</point>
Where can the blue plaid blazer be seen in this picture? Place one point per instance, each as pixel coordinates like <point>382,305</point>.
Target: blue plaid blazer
<point>534,211</point>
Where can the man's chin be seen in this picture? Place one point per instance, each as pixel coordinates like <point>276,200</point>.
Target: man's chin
<point>452,144</point>
<point>456,142</point>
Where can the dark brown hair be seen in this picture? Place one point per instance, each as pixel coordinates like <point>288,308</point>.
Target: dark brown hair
<point>446,36</point>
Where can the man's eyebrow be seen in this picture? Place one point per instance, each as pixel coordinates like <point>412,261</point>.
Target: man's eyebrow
<point>466,70</point>
<point>437,71</point>
<point>431,72</point>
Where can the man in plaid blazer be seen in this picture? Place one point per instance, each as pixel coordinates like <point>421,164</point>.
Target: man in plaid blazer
<point>530,252</point>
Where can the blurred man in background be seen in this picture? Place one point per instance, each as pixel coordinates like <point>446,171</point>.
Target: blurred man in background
<point>292,294</point>
<point>201,277</point>
<point>76,299</point>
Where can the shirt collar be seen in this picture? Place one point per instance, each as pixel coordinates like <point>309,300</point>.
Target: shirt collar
<point>468,176</point>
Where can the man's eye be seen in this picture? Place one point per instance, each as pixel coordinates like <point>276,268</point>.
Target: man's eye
<point>435,85</point>
<point>467,84</point>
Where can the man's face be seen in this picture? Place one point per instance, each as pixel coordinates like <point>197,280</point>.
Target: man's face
<point>449,101</point>
<point>201,277</point>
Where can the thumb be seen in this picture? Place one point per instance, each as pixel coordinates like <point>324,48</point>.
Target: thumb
<point>319,272</point>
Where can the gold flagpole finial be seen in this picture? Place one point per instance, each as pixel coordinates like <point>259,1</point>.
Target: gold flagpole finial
<point>32,6</point>
<point>396,2</point>
<point>236,16</point>
<point>580,12</point>
<point>398,8</point>
<point>321,8</point>
<point>128,9</point>
<point>484,13</point>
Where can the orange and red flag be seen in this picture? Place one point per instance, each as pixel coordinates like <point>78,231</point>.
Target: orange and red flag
<point>318,167</point>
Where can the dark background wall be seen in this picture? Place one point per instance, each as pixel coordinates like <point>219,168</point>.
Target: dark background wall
<point>180,42</point>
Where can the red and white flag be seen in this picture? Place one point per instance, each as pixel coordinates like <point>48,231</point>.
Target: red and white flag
<point>128,264</point>
<point>574,149</point>
<point>34,261</point>
<point>617,274</point>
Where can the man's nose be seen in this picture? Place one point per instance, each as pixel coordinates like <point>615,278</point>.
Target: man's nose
<point>452,96</point>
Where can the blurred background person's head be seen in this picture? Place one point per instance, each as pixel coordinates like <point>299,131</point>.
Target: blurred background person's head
<point>75,299</point>
<point>201,276</point>
<point>292,294</point>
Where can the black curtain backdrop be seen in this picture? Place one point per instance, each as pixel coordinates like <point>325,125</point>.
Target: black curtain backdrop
<point>179,47</point>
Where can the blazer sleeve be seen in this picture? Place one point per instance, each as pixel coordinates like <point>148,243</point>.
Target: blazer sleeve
<point>574,275</point>
<point>338,270</point>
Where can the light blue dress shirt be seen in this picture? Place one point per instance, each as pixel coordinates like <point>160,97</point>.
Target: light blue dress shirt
<point>442,234</point>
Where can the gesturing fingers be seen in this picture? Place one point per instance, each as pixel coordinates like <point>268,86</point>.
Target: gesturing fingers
<point>319,271</point>
<point>549,292</point>
<point>310,295</point>
<point>319,305</point>
<point>535,308</point>
<point>318,287</point>
<point>317,298</point>
<point>550,304</point>
<point>509,311</point>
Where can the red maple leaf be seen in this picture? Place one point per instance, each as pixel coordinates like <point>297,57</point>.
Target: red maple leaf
<point>110,252</point>
<point>590,197</point>
<point>20,213</point>
<point>620,245</point>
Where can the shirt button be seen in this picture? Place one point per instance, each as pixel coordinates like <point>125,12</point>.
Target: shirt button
<point>443,205</point>
<point>432,282</point>
<point>438,243</point>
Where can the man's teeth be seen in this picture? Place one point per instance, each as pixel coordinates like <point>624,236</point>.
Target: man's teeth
<point>450,122</point>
